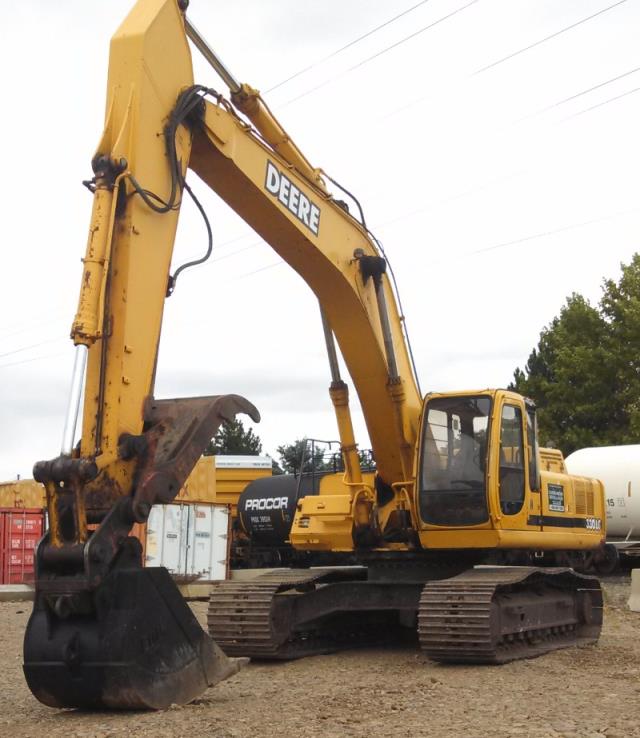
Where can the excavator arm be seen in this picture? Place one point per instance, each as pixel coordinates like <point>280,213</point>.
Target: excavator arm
<point>104,631</point>
<point>337,258</point>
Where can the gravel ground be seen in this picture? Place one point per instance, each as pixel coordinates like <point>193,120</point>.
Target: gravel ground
<point>589,692</point>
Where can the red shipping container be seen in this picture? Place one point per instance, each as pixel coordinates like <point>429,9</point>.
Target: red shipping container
<point>20,531</point>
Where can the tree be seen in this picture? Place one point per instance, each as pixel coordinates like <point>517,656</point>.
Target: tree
<point>276,468</point>
<point>291,457</point>
<point>324,458</point>
<point>620,306</point>
<point>233,439</point>
<point>584,375</point>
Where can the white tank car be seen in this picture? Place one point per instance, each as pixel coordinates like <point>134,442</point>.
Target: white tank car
<point>618,467</point>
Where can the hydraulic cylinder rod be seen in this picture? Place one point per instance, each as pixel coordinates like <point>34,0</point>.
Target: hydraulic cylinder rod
<point>73,407</point>
<point>211,56</point>
<point>339,393</point>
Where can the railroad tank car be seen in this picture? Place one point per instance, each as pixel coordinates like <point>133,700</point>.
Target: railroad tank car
<point>618,467</point>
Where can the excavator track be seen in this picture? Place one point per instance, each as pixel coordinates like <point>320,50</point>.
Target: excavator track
<point>244,618</point>
<point>486,615</point>
<point>494,615</point>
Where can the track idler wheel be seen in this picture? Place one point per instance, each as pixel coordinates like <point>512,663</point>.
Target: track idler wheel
<point>134,645</point>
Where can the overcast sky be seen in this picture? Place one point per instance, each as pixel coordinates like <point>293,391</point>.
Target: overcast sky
<point>494,199</point>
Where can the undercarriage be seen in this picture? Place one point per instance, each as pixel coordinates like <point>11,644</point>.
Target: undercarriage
<point>484,614</point>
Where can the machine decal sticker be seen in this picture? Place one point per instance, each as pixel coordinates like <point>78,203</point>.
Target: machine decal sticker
<point>556,497</point>
<point>267,503</point>
<point>282,188</point>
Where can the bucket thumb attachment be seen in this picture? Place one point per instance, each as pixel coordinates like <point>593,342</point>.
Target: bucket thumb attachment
<point>137,646</point>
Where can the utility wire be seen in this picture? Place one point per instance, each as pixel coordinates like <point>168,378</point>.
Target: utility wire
<point>547,38</point>
<point>544,234</point>
<point>381,52</point>
<point>36,323</point>
<point>579,94</point>
<point>498,180</point>
<point>518,173</point>
<point>32,346</point>
<point>591,89</point>
<point>347,46</point>
<point>261,269</point>
<point>600,104</point>
<point>35,358</point>
<point>455,196</point>
<point>420,99</point>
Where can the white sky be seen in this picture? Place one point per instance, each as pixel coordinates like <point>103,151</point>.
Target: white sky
<point>448,164</point>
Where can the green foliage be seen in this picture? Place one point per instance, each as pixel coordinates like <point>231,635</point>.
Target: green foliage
<point>324,458</point>
<point>232,439</point>
<point>291,457</point>
<point>620,306</point>
<point>584,375</point>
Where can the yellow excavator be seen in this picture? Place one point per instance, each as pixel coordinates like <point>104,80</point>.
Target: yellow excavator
<point>458,483</point>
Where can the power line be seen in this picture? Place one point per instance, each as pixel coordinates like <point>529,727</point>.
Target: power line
<point>233,253</point>
<point>346,46</point>
<point>547,38</point>
<point>36,323</point>
<point>35,358</point>
<point>456,196</point>
<point>380,53</point>
<point>531,115</point>
<point>406,106</point>
<point>32,346</point>
<point>604,102</point>
<point>591,89</point>
<point>544,234</point>
<point>578,94</point>
<point>261,269</point>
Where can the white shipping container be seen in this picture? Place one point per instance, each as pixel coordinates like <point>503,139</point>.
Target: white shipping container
<point>189,540</point>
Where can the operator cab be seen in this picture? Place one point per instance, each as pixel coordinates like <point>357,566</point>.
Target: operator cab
<point>461,436</point>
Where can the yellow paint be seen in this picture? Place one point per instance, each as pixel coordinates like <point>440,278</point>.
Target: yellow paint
<point>552,460</point>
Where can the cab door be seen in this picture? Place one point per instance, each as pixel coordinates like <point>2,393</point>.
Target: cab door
<point>534,513</point>
<point>513,498</point>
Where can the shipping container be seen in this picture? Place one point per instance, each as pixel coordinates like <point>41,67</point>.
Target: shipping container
<point>20,531</point>
<point>22,493</point>
<point>189,540</point>
<point>233,474</point>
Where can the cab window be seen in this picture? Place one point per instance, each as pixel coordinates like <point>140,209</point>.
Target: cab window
<point>532,442</point>
<point>453,488</point>
<point>511,460</point>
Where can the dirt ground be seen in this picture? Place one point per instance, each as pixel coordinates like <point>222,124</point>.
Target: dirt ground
<point>589,692</point>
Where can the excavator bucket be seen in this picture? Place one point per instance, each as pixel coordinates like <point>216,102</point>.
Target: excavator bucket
<point>106,632</point>
<point>138,646</point>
